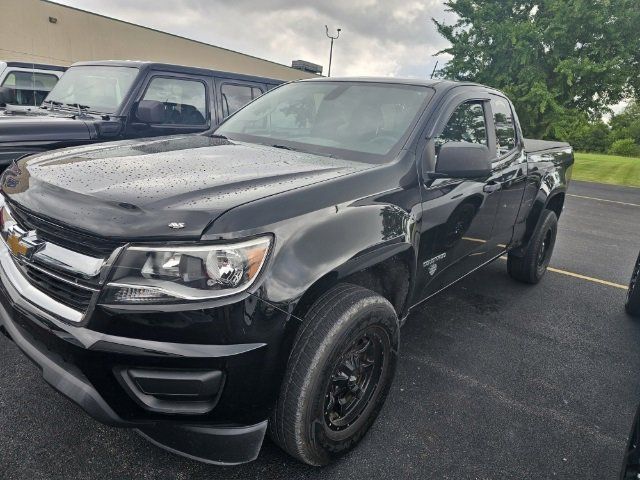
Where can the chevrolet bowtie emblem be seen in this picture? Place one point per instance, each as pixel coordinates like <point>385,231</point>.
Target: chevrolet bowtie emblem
<point>23,244</point>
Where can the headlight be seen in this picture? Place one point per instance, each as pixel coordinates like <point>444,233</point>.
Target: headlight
<point>175,274</point>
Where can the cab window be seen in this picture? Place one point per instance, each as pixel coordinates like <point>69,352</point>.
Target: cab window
<point>185,101</point>
<point>467,124</point>
<point>234,97</point>
<point>504,125</point>
<point>30,88</point>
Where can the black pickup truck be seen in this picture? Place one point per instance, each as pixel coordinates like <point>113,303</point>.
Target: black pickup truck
<point>114,100</point>
<point>205,289</point>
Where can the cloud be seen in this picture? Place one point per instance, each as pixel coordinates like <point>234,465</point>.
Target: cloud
<point>379,37</point>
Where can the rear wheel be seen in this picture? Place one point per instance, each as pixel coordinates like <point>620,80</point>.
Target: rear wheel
<point>633,294</point>
<point>338,376</point>
<point>531,267</point>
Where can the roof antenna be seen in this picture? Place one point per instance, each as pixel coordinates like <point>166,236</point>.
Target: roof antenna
<point>434,69</point>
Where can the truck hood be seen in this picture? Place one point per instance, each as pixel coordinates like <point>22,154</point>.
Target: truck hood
<point>133,190</point>
<point>26,129</point>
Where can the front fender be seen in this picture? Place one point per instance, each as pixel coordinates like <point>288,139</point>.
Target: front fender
<point>331,229</point>
<point>337,242</point>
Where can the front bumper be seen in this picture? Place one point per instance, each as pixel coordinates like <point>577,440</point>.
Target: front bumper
<point>84,363</point>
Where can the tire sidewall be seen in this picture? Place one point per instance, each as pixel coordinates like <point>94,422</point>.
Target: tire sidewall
<point>548,222</point>
<point>371,311</point>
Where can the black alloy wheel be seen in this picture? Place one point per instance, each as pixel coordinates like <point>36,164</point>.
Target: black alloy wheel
<point>355,379</point>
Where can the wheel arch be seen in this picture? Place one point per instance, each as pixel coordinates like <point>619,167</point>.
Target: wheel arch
<point>553,201</point>
<point>388,270</point>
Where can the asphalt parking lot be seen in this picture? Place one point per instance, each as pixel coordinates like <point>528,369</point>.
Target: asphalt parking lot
<point>496,380</point>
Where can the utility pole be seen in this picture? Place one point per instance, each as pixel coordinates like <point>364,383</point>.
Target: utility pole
<point>331,50</point>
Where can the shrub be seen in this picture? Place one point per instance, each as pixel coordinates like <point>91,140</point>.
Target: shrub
<point>625,147</point>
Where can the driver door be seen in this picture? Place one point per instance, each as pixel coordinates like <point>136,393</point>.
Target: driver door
<point>458,214</point>
<point>183,100</point>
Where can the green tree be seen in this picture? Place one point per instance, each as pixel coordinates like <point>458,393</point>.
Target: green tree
<point>554,58</point>
<point>625,147</point>
<point>627,123</point>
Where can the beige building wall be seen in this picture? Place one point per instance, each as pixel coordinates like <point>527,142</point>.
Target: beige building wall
<point>26,34</point>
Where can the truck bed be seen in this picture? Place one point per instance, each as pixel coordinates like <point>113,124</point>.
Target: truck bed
<point>534,146</point>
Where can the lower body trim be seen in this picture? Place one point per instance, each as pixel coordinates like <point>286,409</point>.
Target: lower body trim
<point>214,445</point>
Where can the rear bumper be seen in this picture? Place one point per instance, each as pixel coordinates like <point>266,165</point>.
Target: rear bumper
<point>84,364</point>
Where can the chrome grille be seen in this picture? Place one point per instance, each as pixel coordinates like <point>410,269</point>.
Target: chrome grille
<point>63,291</point>
<point>59,261</point>
<point>66,237</point>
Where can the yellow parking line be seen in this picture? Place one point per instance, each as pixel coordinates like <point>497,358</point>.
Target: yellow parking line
<point>590,279</point>
<point>604,200</point>
<point>583,277</point>
<point>471,239</point>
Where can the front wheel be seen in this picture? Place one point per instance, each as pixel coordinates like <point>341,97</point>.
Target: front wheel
<point>338,376</point>
<point>633,294</point>
<point>532,265</point>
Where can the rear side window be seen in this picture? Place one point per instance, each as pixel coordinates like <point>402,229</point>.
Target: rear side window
<point>467,124</point>
<point>234,97</point>
<point>505,126</point>
<point>30,88</point>
<point>185,101</point>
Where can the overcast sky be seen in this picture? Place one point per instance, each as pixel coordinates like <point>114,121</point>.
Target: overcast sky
<point>379,37</point>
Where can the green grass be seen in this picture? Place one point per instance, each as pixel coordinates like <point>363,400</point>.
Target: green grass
<point>602,168</point>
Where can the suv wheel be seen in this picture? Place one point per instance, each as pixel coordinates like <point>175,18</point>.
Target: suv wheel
<point>338,376</point>
<point>531,266</point>
<point>633,294</point>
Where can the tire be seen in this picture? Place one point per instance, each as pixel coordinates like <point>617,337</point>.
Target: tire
<point>633,294</point>
<point>349,332</point>
<point>531,267</point>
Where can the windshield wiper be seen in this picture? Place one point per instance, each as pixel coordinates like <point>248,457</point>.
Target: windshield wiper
<point>283,147</point>
<point>79,106</point>
<point>215,135</point>
<point>52,104</point>
<point>286,147</point>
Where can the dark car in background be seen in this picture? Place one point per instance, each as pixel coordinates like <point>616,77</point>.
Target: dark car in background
<point>632,304</point>
<point>115,100</point>
<point>27,84</point>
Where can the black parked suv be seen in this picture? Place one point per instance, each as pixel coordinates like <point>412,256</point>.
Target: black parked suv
<point>114,100</point>
<point>204,289</point>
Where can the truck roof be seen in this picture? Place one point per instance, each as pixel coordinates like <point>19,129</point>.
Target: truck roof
<point>438,83</point>
<point>35,66</point>
<point>148,65</point>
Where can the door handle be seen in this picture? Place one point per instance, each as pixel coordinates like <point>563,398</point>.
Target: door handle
<point>492,187</point>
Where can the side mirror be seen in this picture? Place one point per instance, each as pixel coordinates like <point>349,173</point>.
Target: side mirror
<point>7,95</point>
<point>463,160</point>
<point>150,111</point>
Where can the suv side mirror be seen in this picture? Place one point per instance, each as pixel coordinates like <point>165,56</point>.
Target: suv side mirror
<point>463,160</point>
<point>150,111</point>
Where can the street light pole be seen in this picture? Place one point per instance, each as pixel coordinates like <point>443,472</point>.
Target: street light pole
<point>331,50</point>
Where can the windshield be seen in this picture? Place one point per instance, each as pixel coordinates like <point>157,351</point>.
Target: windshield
<point>353,120</point>
<point>98,88</point>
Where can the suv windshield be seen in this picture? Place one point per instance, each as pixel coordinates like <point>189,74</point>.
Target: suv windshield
<point>355,120</point>
<point>98,88</point>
